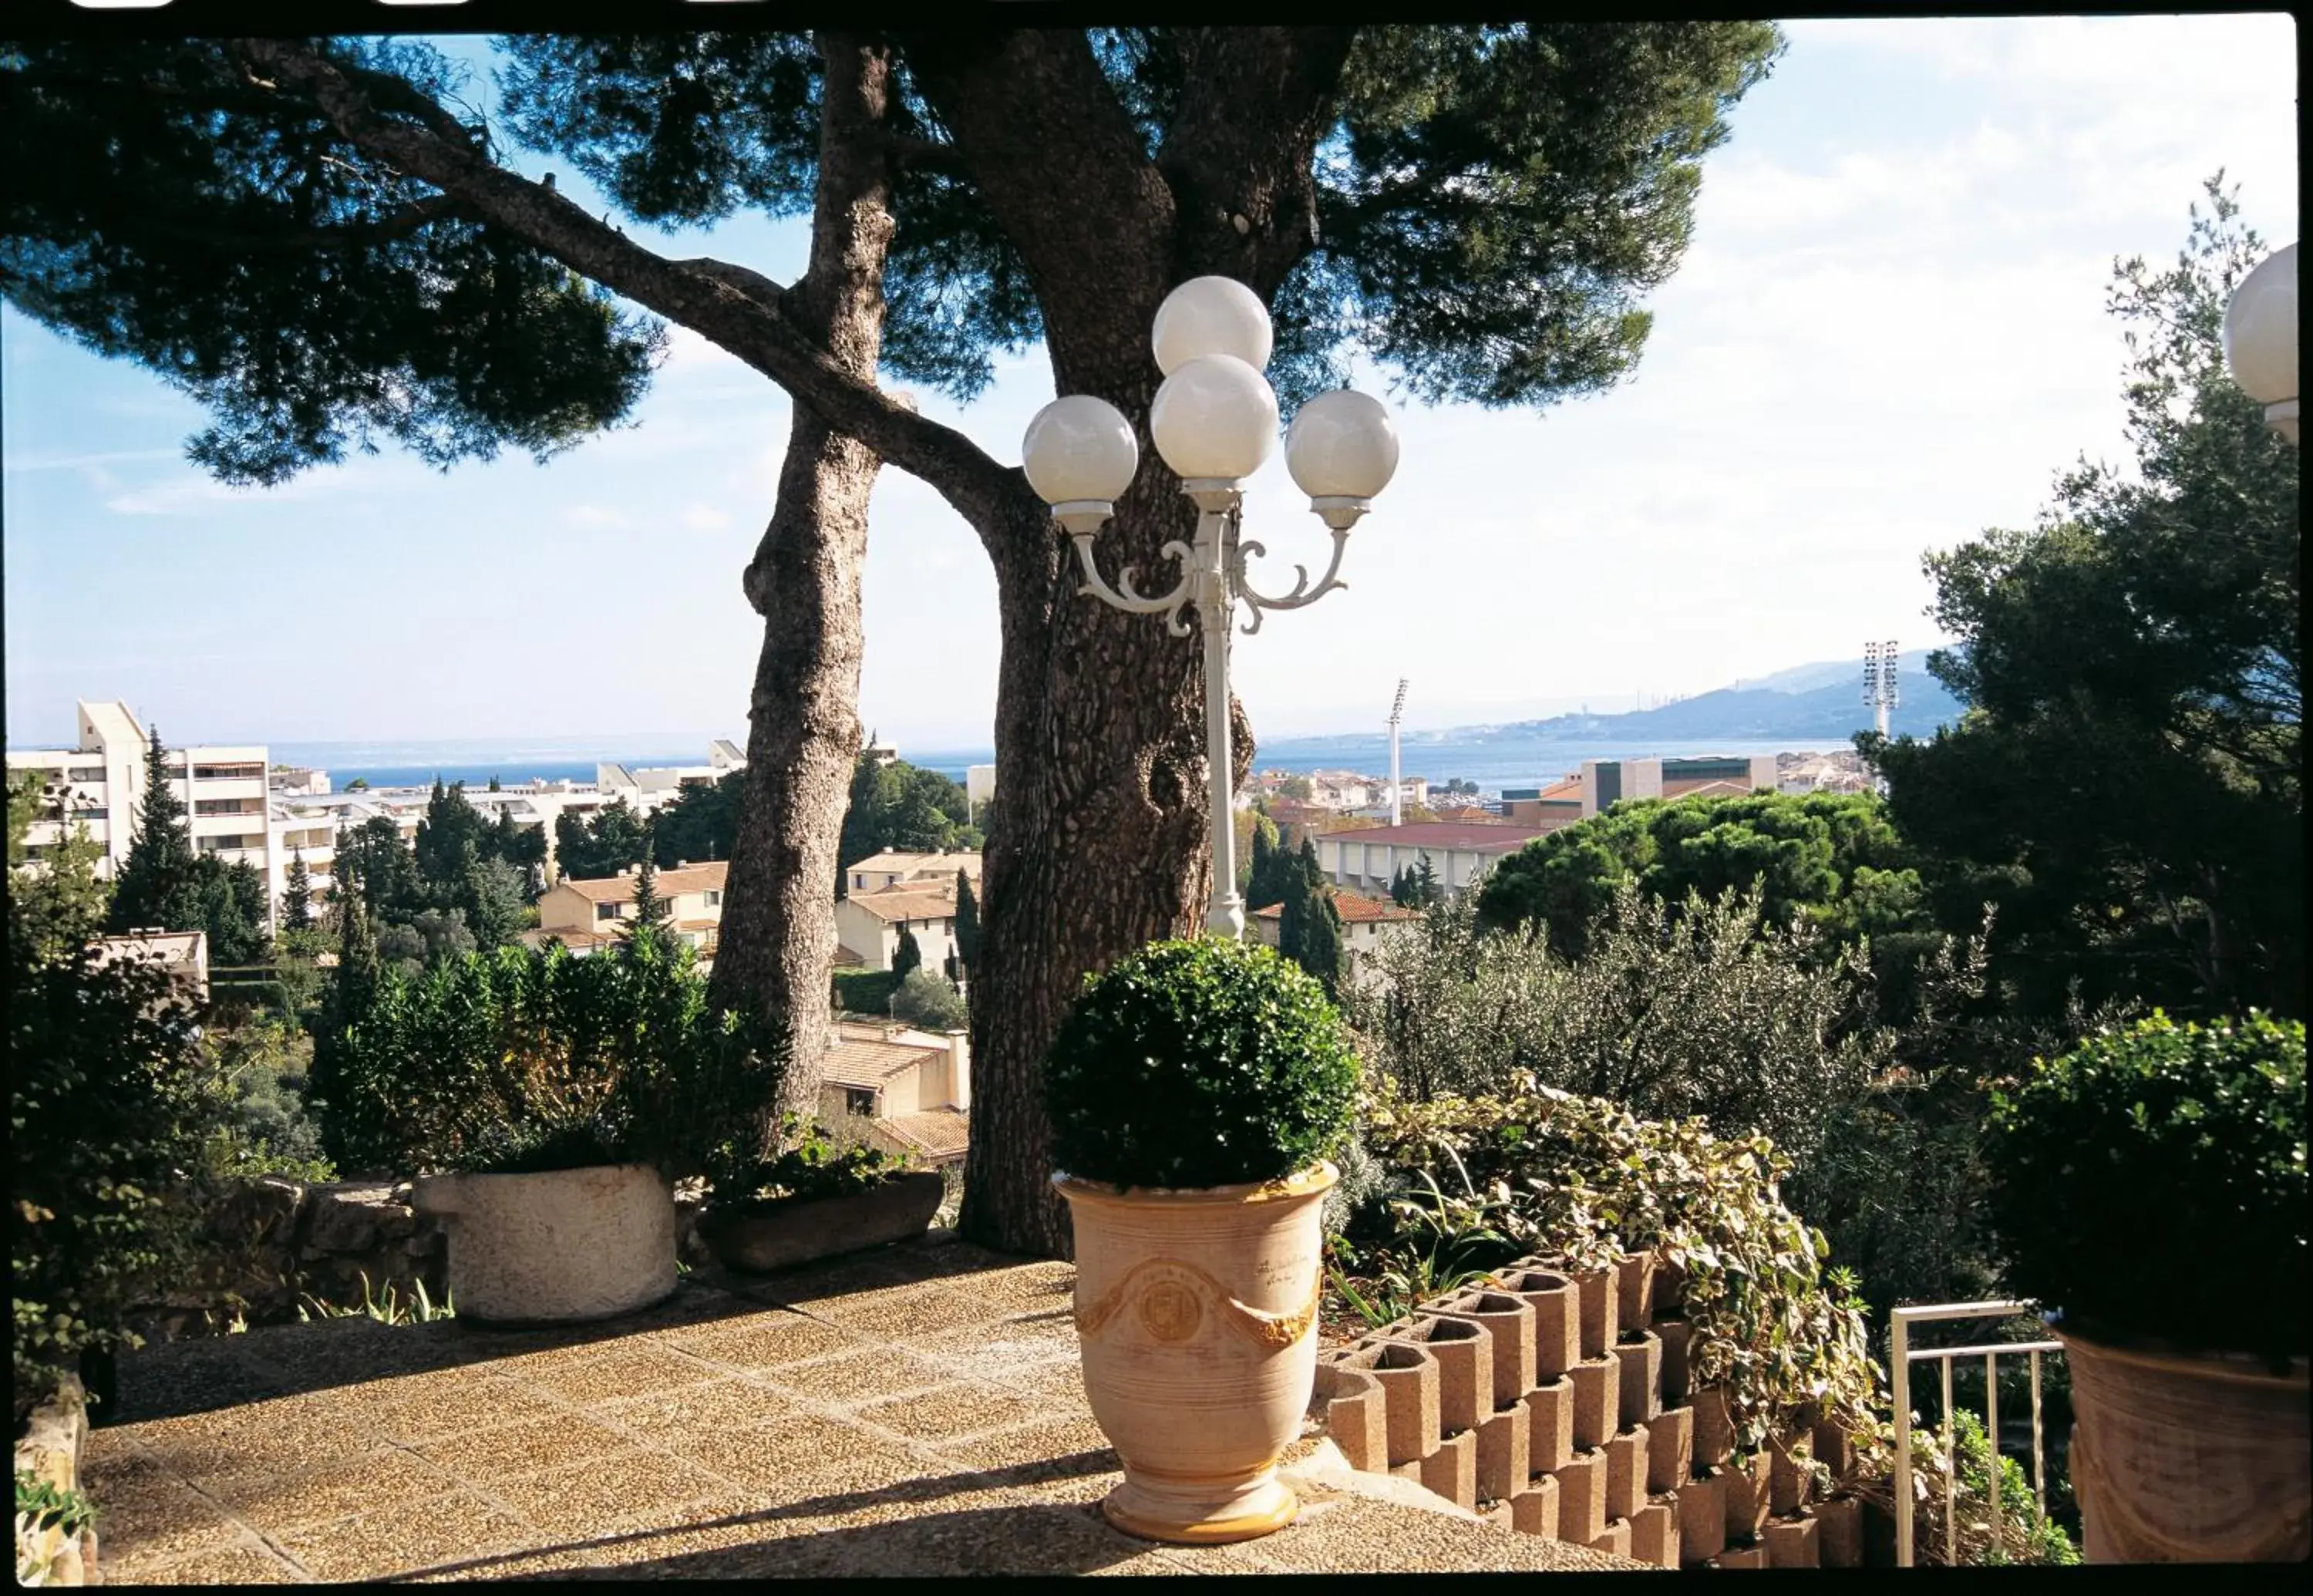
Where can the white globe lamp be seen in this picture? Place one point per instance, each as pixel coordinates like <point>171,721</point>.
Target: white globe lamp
<point>1210,315</point>
<point>1214,421</point>
<point>2260,338</point>
<point>1080,455</point>
<point>1343,451</point>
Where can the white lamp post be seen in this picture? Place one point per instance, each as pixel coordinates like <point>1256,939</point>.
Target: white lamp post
<point>1214,420</point>
<point>2260,338</point>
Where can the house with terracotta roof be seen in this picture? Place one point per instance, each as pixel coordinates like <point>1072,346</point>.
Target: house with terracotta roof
<point>587,915</point>
<point>892,868</point>
<point>1367,924</point>
<point>912,1087</point>
<point>1458,852</point>
<point>868,924</point>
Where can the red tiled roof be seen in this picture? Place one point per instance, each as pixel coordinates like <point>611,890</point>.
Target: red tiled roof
<point>872,1063</point>
<point>1354,910</point>
<point>910,900</point>
<point>938,1134</point>
<point>620,889</point>
<point>1461,836</point>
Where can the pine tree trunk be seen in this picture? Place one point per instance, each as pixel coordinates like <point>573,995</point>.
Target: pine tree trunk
<point>1098,840</point>
<point>777,941</point>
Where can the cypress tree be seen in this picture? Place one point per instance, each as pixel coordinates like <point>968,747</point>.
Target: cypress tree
<point>1427,892</point>
<point>157,877</point>
<point>1309,930</point>
<point>651,911</point>
<point>297,894</point>
<point>967,922</point>
<point>907,957</point>
<point>352,993</point>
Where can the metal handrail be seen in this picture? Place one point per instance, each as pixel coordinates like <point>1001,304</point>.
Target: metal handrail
<point>1903,1356</point>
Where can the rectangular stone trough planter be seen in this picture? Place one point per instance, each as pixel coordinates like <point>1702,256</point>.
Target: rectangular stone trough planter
<point>760,1236</point>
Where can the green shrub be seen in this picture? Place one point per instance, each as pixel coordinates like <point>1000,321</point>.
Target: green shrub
<point>2151,1182</point>
<point>1200,1062</point>
<point>264,1126</point>
<point>108,1101</point>
<point>515,1062</point>
<point>2024,1536</point>
<point>865,991</point>
<point>817,1163</point>
<point>927,998</point>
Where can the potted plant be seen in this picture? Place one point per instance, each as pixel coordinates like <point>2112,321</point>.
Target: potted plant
<point>546,1104</point>
<point>821,1196</point>
<point>2150,1186</point>
<point>1194,1093</point>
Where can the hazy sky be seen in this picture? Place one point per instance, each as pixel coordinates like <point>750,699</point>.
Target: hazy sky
<point>1887,334</point>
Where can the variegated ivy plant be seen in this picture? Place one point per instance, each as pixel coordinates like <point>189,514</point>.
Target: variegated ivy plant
<point>1580,1179</point>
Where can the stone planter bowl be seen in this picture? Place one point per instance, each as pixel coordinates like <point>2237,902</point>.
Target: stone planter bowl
<point>562,1247</point>
<point>1197,1312</point>
<point>762,1236</point>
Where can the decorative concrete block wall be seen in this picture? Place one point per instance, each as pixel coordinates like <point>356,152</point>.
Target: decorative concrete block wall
<point>1557,1402</point>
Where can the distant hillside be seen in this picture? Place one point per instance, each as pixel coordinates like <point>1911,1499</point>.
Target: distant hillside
<point>1809,702</point>
<point>1832,673</point>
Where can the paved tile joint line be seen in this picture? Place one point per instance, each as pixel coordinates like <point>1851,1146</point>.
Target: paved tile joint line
<point>918,1411</point>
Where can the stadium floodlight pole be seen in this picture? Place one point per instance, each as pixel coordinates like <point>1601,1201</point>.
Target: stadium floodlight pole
<point>1879,682</point>
<point>1214,422</point>
<point>1396,782</point>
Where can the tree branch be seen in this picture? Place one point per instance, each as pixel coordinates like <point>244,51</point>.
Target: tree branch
<point>1061,166</point>
<point>408,220</point>
<point>739,310</point>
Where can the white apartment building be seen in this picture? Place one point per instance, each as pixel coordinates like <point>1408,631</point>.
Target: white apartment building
<point>102,784</point>
<point>646,786</point>
<point>240,807</point>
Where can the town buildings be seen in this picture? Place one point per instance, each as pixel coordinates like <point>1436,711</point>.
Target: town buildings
<point>100,784</point>
<point>184,954</point>
<point>1367,924</point>
<point>912,1087</point>
<point>891,892</point>
<point>647,785</point>
<point>584,916</point>
<point>240,807</point>
<point>1368,861</point>
<point>1601,784</point>
<point>892,866</point>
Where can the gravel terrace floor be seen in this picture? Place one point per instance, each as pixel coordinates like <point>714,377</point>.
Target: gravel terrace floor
<point>916,1411</point>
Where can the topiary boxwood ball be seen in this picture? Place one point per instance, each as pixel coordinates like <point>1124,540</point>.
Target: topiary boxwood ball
<point>1200,1062</point>
<point>2151,1183</point>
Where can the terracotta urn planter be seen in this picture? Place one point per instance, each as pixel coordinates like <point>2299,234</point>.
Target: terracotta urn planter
<point>560,1247</point>
<point>2187,1459</point>
<point>1197,1312</point>
<point>774,1234</point>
